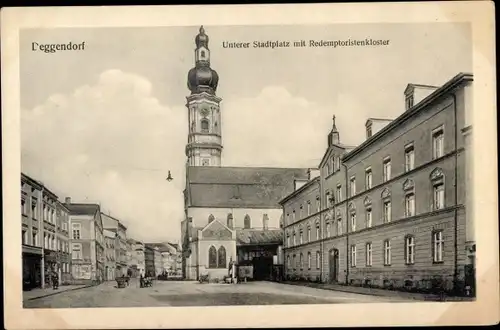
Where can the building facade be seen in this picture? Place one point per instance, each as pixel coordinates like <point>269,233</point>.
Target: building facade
<point>32,233</point>
<point>137,262</point>
<point>87,242</point>
<point>112,224</point>
<point>226,208</point>
<point>394,210</point>
<point>45,237</point>
<point>110,242</point>
<point>149,260</point>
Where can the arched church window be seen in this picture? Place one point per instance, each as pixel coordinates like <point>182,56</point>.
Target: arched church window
<point>204,125</point>
<point>221,257</point>
<point>230,220</point>
<point>247,222</point>
<point>212,257</point>
<point>202,54</point>
<point>211,218</point>
<point>215,126</point>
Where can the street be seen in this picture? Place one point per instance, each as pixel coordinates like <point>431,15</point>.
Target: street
<point>170,293</point>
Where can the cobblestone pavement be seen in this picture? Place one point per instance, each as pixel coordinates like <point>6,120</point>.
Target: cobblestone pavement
<point>195,294</point>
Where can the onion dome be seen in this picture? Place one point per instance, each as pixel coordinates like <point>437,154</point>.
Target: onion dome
<point>202,78</point>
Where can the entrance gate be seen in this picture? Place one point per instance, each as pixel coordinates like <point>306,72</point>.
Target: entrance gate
<point>333,265</point>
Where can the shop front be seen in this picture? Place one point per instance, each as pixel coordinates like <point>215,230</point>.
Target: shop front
<point>32,268</point>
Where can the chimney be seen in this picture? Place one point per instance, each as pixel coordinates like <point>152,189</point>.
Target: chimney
<point>68,200</point>
<point>414,93</point>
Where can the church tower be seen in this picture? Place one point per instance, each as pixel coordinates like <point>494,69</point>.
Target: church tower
<point>204,147</point>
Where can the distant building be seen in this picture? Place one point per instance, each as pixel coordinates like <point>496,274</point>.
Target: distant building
<point>112,224</point>
<point>44,235</point>
<point>394,211</point>
<point>137,263</point>
<point>110,243</point>
<point>87,242</point>
<point>149,258</point>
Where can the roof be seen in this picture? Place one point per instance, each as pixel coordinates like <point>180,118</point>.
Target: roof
<point>411,86</point>
<point>252,187</point>
<point>253,236</point>
<point>82,209</point>
<point>447,87</point>
<point>161,247</point>
<point>298,191</point>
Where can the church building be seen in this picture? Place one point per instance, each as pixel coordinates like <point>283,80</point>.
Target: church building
<point>231,213</point>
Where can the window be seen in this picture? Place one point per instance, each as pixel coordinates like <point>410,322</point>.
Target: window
<point>221,257</point>
<point>288,218</point>
<point>318,260</point>
<point>318,204</point>
<point>293,216</point>
<point>387,253</point>
<point>387,169</point>
<point>327,199</point>
<point>410,250</point>
<point>301,237</point>
<point>211,218</point>
<point>24,237</point>
<point>301,261</point>
<point>288,240</point>
<point>202,54</point>
<point>353,221</point>
<point>437,244</point>
<point>300,212</point>
<point>288,262</point>
<point>339,193</point>
<point>333,163</point>
<point>247,222</point>
<point>33,209</point>
<point>308,234</point>
<point>294,239</point>
<point>23,206</point>
<point>410,205</point>
<point>353,255</point>
<point>387,211</point>
<point>368,131</point>
<point>339,226</point>
<point>368,254</point>
<point>368,218</point>
<point>317,231</point>
<point>45,241</point>
<point>308,260</point>
<point>205,162</point>
<point>34,241</point>
<point>294,262</point>
<point>76,231</point>
<point>328,229</point>
<point>438,196</point>
<point>76,249</point>
<point>368,178</point>
<point>308,208</point>
<point>409,157</point>
<point>212,257</point>
<point>204,125</point>
<point>352,186</point>
<point>409,101</point>
<point>437,143</point>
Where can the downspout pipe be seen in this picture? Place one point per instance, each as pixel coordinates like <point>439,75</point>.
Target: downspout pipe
<point>347,222</point>
<point>455,271</point>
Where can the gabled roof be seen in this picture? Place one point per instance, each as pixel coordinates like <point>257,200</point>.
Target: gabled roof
<point>256,236</point>
<point>252,187</point>
<point>82,209</point>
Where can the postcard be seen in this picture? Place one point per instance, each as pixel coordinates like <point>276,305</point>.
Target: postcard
<point>250,166</point>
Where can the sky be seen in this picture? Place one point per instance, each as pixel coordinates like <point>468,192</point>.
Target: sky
<point>106,124</point>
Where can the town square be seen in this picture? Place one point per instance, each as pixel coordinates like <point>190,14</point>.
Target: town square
<point>145,209</point>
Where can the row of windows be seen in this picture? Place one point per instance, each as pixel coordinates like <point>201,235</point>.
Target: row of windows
<point>438,202</point>
<point>292,262</point>
<point>247,221</point>
<point>48,214</point>
<point>409,255</point>
<point>303,213</point>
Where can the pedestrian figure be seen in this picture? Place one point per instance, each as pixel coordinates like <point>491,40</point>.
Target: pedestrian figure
<point>141,281</point>
<point>55,280</point>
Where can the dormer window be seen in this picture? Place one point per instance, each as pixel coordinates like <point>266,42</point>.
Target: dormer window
<point>409,101</point>
<point>368,131</point>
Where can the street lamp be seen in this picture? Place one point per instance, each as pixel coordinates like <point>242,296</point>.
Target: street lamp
<point>169,177</point>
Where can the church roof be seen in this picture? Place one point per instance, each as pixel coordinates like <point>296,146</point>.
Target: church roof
<point>252,187</point>
<point>259,236</point>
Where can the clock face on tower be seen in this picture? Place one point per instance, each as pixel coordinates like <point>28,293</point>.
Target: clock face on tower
<point>204,112</point>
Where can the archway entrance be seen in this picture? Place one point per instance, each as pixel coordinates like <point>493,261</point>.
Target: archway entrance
<point>333,265</point>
